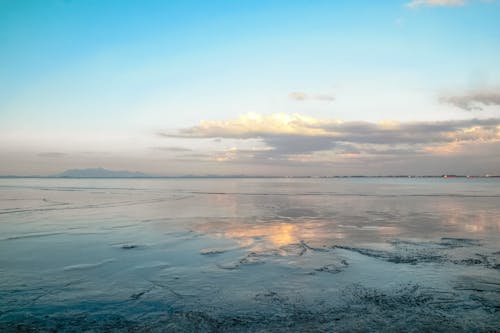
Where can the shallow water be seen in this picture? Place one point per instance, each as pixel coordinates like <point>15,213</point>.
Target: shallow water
<point>250,255</point>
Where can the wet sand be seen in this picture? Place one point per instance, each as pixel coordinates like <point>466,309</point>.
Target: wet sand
<point>250,255</point>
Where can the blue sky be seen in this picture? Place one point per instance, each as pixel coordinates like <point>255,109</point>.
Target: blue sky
<point>105,77</point>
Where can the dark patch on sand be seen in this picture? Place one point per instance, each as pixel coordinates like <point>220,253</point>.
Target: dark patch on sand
<point>129,246</point>
<point>442,251</point>
<point>212,252</point>
<point>333,268</point>
<point>408,308</point>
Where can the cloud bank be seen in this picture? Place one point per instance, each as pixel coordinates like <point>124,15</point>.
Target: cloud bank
<point>289,136</point>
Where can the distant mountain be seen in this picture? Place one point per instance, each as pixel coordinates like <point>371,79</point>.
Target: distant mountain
<point>100,173</point>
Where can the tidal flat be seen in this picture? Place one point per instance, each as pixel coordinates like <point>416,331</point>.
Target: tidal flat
<point>250,255</point>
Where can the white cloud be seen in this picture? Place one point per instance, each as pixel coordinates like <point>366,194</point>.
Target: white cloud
<point>302,96</point>
<point>448,3</point>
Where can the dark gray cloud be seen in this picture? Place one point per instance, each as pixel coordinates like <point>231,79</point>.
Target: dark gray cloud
<point>413,132</point>
<point>473,101</point>
<point>355,149</point>
<point>297,144</point>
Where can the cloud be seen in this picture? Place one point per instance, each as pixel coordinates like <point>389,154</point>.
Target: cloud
<point>473,100</point>
<point>442,3</point>
<point>253,125</point>
<point>288,135</point>
<point>433,3</point>
<point>296,144</point>
<point>302,96</point>
<point>52,154</point>
<point>173,149</point>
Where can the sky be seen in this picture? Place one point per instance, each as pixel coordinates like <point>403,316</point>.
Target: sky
<point>253,87</point>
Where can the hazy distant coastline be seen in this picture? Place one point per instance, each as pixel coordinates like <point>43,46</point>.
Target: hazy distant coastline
<point>106,173</point>
<point>100,173</point>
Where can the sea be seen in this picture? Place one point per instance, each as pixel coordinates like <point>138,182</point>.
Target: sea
<point>250,255</point>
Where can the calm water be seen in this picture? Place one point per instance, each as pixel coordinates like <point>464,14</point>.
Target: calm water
<point>250,255</point>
